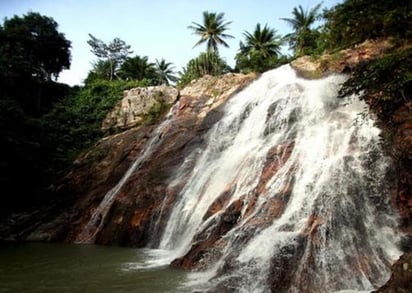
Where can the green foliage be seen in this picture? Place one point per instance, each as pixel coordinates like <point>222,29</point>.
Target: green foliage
<point>32,48</point>
<point>206,63</point>
<point>100,71</point>
<point>156,112</point>
<point>254,62</point>
<point>138,68</point>
<point>32,51</point>
<point>164,72</point>
<point>385,83</point>
<point>80,116</point>
<point>354,21</point>
<point>212,31</point>
<point>260,50</point>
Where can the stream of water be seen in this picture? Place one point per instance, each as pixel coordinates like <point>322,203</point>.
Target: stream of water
<point>323,220</point>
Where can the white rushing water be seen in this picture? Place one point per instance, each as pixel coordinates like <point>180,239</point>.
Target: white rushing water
<point>336,228</point>
<point>96,221</point>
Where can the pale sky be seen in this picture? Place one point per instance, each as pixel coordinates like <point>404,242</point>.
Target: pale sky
<point>155,28</point>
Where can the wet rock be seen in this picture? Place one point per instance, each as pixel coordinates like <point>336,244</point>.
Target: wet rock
<point>284,266</point>
<point>219,203</point>
<point>401,279</point>
<point>275,160</point>
<point>206,240</point>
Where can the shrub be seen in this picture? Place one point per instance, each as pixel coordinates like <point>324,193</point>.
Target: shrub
<point>385,83</point>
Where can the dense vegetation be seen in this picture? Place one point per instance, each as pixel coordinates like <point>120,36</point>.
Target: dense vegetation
<point>32,53</point>
<point>385,84</point>
<point>45,124</point>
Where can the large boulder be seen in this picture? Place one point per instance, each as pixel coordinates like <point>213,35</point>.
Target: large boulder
<point>136,105</point>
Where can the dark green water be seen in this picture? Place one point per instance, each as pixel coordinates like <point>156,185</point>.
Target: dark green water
<point>81,268</point>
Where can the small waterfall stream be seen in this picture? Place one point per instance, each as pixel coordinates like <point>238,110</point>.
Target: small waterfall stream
<point>96,221</point>
<point>319,221</point>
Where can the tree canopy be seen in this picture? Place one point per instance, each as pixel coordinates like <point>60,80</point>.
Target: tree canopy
<point>354,21</point>
<point>32,47</point>
<point>32,53</point>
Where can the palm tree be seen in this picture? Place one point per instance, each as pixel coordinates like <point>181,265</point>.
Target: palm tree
<point>212,31</point>
<point>165,72</point>
<point>260,50</point>
<point>101,70</point>
<point>301,23</point>
<point>206,63</point>
<point>264,42</point>
<point>137,68</point>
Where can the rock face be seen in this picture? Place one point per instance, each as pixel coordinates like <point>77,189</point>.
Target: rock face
<point>341,61</point>
<point>140,203</point>
<point>137,103</point>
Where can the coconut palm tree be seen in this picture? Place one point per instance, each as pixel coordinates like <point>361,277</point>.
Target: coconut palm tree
<point>206,63</point>
<point>101,70</point>
<point>137,68</point>
<point>301,22</point>
<point>165,72</point>
<point>264,42</point>
<point>212,31</point>
<point>260,49</point>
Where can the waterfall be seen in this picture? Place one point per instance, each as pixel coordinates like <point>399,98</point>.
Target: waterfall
<point>96,221</point>
<point>303,188</point>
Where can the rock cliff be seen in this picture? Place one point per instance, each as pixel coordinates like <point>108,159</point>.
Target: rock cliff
<point>140,203</point>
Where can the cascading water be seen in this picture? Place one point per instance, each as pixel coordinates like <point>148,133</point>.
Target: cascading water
<point>96,221</point>
<point>320,220</point>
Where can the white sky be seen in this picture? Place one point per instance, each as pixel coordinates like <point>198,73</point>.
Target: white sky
<point>155,28</point>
